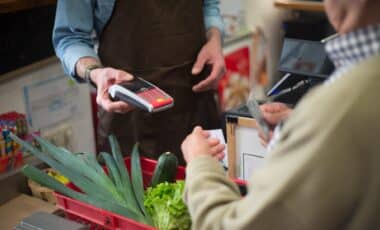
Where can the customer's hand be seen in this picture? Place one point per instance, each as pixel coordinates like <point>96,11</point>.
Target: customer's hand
<point>104,78</point>
<point>211,54</point>
<point>273,113</point>
<point>199,143</point>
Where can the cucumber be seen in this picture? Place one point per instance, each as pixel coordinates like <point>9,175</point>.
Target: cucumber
<point>166,169</point>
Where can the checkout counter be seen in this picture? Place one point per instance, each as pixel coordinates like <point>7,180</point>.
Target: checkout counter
<point>304,65</point>
<point>245,154</point>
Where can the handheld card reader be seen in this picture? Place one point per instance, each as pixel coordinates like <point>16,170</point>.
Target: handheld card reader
<point>254,110</point>
<point>141,94</point>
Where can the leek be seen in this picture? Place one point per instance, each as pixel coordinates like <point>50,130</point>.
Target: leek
<point>45,180</point>
<point>127,186</point>
<point>137,179</point>
<point>116,193</point>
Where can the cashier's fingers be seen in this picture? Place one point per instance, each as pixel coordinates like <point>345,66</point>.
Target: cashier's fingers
<point>105,102</point>
<point>117,107</point>
<point>212,80</point>
<point>120,76</point>
<point>104,77</point>
<point>199,64</point>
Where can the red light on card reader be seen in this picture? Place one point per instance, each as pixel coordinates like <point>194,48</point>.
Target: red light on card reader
<point>161,102</point>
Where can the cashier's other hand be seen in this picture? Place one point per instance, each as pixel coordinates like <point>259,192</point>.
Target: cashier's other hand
<point>273,113</point>
<point>199,143</point>
<point>104,78</point>
<point>210,54</point>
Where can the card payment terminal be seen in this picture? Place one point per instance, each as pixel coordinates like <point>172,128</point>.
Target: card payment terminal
<point>141,94</point>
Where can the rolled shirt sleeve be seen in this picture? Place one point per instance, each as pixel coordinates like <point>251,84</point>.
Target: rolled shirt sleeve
<point>72,33</point>
<point>212,15</point>
<point>71,56</point>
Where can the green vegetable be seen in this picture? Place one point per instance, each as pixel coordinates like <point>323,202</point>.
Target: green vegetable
<point>83,170</point>
<point>71,163</point>
<point>166,169</point>
<point>137,179</point>
<point>78,179</point>
<point>112,170</point>
<point>165,204</point>
<point>91,161</point>
<point>127,189</point>
<point>45,180</point>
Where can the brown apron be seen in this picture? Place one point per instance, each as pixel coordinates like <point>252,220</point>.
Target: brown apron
<point>159,41</point>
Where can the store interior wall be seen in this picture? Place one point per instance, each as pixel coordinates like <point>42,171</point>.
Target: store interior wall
<point>12,99</point>
<point>264,15</point>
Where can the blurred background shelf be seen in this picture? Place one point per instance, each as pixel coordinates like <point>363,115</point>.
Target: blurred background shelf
<point>315,6</point>
<point>30,160</point>
<point>6,77</point>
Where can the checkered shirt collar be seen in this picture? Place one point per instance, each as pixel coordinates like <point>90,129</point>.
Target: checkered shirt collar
<point>345,51</point>
<point>353,47</point>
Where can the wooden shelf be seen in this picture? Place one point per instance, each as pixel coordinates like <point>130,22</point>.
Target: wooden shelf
<point>8,6</point>
<point>26,69</point>
<point>300,5</point>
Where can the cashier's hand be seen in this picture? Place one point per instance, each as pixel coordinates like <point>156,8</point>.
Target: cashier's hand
<point>210,54</point>
<point>104,78</point>
<point>273,113</point>
<point>199,143</point>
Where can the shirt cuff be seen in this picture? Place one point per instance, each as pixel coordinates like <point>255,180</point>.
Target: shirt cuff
<point>215,21</point>
<point>71,57</point>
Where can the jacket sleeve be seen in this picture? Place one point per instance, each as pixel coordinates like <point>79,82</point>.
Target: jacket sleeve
<point>307,181</point>
<point>214,201</point>
<point>72,33</point>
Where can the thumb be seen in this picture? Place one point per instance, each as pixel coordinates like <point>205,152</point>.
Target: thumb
<point>198,65</point>
<point>123,76</point>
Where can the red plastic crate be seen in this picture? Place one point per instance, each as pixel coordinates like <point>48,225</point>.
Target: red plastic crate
<point>99,218</point>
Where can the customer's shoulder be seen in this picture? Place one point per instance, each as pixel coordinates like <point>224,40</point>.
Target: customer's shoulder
<point>349,97</point>
<point>366,73</point>
<point>360,85</point>
<point>361,80</point>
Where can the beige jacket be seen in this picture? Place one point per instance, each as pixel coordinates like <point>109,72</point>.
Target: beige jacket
<point>323,174</point>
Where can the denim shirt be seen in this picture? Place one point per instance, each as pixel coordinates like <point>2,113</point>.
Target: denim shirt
<point>78,24</point>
